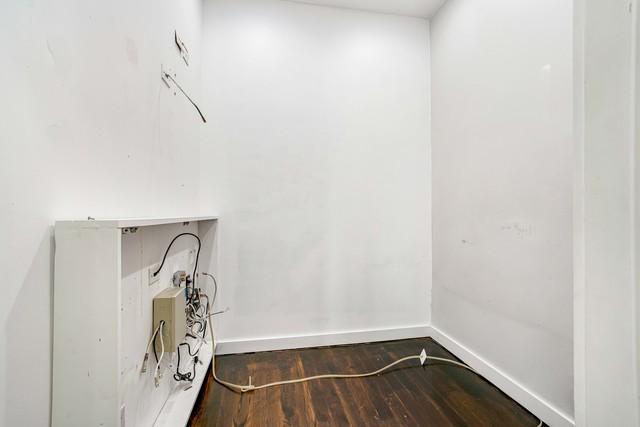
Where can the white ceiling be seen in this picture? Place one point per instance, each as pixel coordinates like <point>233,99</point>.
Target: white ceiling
<point>420,8</point>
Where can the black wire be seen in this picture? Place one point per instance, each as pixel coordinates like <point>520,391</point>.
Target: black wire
<point>200,323</point>
<point>203,328</point>
<point>187,376</point>
<point>162,322</point>
<point>195,268</point>
<point>154,349</point>
<point>189,349</point>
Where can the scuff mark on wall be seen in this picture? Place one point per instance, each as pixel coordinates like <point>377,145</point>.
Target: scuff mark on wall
<point>51,54</point>
<point>520,230</point>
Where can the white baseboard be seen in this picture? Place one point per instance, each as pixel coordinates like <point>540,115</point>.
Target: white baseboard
<point>535,404</point>
<point>315,340</point>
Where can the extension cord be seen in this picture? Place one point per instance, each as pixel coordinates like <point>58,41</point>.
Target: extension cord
<point>238,388</point>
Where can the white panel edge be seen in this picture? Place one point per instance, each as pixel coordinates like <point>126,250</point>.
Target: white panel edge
<point>131,222</point>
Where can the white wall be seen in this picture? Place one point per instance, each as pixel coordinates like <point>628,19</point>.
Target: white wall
<point>318,153</point>
<point>606,263</point>
<point>87,128</point>
<point>502,189</point>
<point>636,201</point>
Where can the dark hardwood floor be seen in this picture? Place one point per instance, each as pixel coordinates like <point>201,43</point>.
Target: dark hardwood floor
<point>408,395</point>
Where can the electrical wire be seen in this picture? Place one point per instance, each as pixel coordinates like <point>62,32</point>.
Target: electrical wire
<point>239,388</point>
<point>195,267</point>
<point>155,353</point>
<point>215,288</point>
<point>187,376</point>
<point>196,315</point>
<point>146,354</point>
<point>192,354</point>
<point>156,374</point>
<point>205,306</point>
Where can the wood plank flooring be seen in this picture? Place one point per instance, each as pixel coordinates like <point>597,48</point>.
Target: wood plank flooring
<point>439,395</point>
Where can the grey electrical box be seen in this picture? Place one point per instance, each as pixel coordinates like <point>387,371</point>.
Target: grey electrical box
<point>169,305</point>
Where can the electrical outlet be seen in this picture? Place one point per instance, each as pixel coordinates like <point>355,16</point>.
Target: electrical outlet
<point>153,279</point>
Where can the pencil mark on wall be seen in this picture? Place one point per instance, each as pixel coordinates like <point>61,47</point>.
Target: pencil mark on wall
<point>51,54</point>
<point>519,229</point>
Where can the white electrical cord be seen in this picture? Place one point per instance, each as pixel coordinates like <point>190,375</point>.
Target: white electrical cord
<point>146,354</point>
<point>156,374</point>
<point>250,387</point>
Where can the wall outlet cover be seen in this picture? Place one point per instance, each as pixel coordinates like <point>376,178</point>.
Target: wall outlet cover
<point>153,279</point>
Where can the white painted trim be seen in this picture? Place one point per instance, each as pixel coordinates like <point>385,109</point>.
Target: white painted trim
<point>534,403</point>
<point>315,340</point>
<point>538,406</point>
<point>579,257</point>
<point>130,222</point>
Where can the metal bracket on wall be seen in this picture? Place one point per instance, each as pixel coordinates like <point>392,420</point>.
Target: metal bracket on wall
<point>163,75</point>
<point>184,52</point>
<point>168,79</point>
